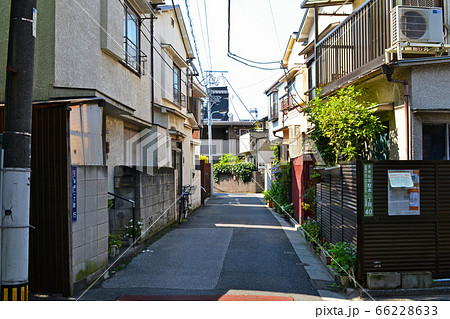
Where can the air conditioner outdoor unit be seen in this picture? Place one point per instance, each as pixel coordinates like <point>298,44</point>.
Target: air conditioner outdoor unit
<point>416,25</point>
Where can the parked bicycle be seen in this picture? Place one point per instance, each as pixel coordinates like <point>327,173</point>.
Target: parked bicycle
<point>185,205</point>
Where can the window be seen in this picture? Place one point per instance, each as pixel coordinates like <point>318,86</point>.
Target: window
<point>273,105</point>
<point>131,38</point>
<point>435,141</point>
<point>176,84</point>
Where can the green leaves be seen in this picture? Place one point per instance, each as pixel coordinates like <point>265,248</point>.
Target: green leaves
<point>343,125</point>
<point>343,257</point>
<point>230,164</point>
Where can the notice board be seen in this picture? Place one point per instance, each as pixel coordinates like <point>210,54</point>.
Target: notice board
<point>403,192</point>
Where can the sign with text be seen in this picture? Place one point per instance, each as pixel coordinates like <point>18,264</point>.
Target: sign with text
<point>368,189</point>
<point>403,192</point>
<point>74,194</point>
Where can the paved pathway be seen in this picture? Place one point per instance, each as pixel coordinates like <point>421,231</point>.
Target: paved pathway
<point>232,246</point>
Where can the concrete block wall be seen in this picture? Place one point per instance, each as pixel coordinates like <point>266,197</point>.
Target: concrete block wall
<point>90,231</point>
<point>156,200</point>
<point>154,196</point>
<point>229,184</point>
<point>196,199</point>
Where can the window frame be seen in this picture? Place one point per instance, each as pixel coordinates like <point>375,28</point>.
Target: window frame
<point>176,90</point>
<point>274,106</point>
<point>446,138</point>
<point>129,11</point>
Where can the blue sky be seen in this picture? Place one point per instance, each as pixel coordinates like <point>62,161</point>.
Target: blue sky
<point>260,31</point>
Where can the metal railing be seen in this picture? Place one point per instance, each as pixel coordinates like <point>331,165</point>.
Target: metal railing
<point>134,57</point>
<point>178,97</point>
<point>360,39</point>
<point>133,203</point>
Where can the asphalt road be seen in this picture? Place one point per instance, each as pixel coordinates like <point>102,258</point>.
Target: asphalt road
<point>231,246</point>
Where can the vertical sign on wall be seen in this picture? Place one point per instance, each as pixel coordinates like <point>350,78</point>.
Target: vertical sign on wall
<point>368,189</point>
<point>74,193</point>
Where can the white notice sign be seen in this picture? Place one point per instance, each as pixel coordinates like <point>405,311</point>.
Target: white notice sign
<point>400,179</point>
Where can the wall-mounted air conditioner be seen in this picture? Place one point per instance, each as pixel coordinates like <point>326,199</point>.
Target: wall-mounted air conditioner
<point>416,25</point>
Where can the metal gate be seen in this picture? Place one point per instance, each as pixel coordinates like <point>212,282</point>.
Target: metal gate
<point>49,250</point>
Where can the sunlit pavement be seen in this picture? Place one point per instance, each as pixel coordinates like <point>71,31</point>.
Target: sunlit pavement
<point>232,246</point>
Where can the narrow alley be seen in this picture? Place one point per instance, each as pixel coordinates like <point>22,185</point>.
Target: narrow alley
<point>234,248</point>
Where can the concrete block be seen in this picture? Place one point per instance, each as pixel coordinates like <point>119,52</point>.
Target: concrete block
<point>91,203</point>
<point>81,188</point>
<point>81,173</point>
<point>78,238</point>
<point>91,188</point>
<point>102,246</point>
<point>91,250</point>
<point>81,205</point>
<point>383,280</point>
<point>416,279</point>
<point>102,187</point>
<point>103,215</point>
<point>102,201</point>
<point>91,173</point>
<point>78,268</point>
<point>91,234</point>
<point>103,231</point>
<point>102,173</point>
<point>79,224</point>
<point>79,255</point>
<point>91,219</point>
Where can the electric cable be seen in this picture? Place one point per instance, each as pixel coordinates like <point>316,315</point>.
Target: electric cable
<point>240,59</point>
<point>207,35</point>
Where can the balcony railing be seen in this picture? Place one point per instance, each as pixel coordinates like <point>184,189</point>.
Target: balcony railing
<point>134,57</point>
<point>179,98</point>
<point>355,46</point>
<point>288,102</point>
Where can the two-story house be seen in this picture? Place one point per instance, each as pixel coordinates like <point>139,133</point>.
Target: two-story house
<point>289,95</point>
<point>398,51</point>
<point>115,108</point>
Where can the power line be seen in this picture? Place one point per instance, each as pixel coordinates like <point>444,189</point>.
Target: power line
<point>203,34</point>
<point>193,37</point>
<point>243,60</point>
<point>207,35</point>
<point>234,91</point>
<point>275,27</point>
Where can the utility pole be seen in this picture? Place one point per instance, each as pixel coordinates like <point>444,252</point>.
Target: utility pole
<point>17,150</point>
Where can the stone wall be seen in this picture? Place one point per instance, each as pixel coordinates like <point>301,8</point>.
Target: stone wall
<point>154,196</point>
<point>90,230</point>
<point>229,184</point>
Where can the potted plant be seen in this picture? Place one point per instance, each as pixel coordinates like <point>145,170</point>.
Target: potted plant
<point>325,253</point>
<point>114,243</point>
<point>343,261</point>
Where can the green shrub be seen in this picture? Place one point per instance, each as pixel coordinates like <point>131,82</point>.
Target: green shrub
<point>343,258</point>
<point>342,125</point>
<point>230,164</point>
<point>311,229</point>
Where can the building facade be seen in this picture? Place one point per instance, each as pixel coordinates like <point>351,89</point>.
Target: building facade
<point>120,78</point>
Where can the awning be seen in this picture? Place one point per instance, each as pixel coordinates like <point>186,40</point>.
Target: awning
<point>323,3</point>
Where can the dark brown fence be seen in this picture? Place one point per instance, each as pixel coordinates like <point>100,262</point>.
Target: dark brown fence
<point>409,242</point>
<point>387,242</point>
<point>49,260</point>
<point>205,179</point>
<point>336,205</point>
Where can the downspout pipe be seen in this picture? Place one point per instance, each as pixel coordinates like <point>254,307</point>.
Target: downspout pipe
<point>388,70</point>
<point>152,66</point>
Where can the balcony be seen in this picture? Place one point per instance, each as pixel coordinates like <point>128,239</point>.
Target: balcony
<point>355,47</point>
<point>179,98</point>
<point>289,102</point>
